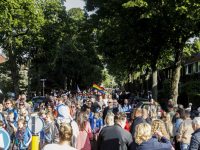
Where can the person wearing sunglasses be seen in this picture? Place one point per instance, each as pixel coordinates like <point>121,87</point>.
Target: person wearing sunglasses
<point>19,110</point>
<point>27,106</point>
<point>109,109</point>
<point>73,107</point>
<point>9,108</point>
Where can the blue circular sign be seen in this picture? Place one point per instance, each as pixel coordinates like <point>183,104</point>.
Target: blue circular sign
<point>4,139</point>
<point>35,124</point>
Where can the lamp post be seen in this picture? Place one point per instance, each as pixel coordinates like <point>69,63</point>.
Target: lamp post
<point>43,80</point>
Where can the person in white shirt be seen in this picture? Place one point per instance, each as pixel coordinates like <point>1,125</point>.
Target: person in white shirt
<point>190,106</point>
<point>105,100</point>
<point>65,136</point>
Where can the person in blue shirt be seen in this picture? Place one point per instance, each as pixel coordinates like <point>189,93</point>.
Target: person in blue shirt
<point>127,108</point>
<point>98,124</point>
<point>9,106</point>
<point>11,127</point>
<point>1,117</point>
<point>117,105</point>
<point>91,118</point>
<point>84,98</point>
<point>23,135</point>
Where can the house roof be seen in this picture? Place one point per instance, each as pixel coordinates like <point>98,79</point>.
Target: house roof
<point>3,55</point>
<point>196,58</point>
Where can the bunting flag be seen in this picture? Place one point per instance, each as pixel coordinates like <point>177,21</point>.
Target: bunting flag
<point>100,89</point>
<point>78,90</point>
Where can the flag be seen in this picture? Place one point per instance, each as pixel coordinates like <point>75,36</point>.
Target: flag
<point>78,90</point>
<point>100,89</point>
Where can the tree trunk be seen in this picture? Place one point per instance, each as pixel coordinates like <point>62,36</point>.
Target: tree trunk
<point>13,68</point>
<point>65,83</point>
<point>134,83</point>
<point>155,81</point>
<point>142,83</point>
<point>146,81</point>
<point>68,83</point>
<point>176,75</point>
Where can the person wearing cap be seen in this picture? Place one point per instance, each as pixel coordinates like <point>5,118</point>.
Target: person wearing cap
<point>63,110</point>
<point>194,112</point>
<point>189,107</point>
<point>171,111</point>
<point>170,102</point>
<point>31,104</point>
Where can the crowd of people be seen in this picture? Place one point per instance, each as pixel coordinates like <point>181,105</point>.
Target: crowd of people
<point>91,121</point>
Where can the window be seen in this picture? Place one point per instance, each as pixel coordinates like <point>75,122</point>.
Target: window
<point>186,69</point>
<point>170,75</point>
<point>167,73</point>
<point>199,65</point>
<point>189,69</point>
<point>193,68</point>
<point>196,67</point>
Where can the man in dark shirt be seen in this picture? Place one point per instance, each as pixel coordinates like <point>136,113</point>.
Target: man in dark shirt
<point>139,119</point>
<point>46,99</point>
<point>115,137</point>
<point>95,105</point>
<point>109,109</point>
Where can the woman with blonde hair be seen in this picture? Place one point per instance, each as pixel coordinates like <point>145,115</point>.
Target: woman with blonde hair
<point>168,125</point>
<point>144,140</point>
<point>109,120</point>
<point>158,125</point>
<point>65,136</point>
<point>152,115</point>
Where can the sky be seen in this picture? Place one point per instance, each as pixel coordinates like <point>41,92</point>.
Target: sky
<point>74,4</point>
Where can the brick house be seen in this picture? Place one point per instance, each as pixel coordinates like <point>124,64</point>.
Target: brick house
<point>2,58</point>
<point>189,67</point>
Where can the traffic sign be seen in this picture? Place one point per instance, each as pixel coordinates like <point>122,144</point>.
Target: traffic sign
<point>35,124</point>
<point>4,139</point>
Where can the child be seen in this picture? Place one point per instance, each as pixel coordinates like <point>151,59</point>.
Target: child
<point>5,116</point>
<point>99,124</point>
<point>109,120</point>
<point>50,130</point>
<point>2,125</point>
<point>101,114</point>
<point>11,127</point>
<point>23,135</point>
<point>86,114</point>
<point>23,115</point>
<point>42,133</point>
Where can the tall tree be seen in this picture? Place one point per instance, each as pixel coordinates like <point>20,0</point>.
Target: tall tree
<point>179,20</point>
<point>18,18</point>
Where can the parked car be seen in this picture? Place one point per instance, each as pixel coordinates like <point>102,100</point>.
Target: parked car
<point>11,95</point>
<point>136,100</point>
<point>147,104</point>
<point>37,100</point>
